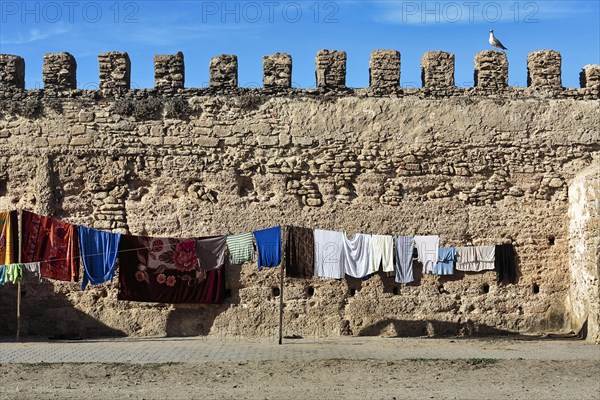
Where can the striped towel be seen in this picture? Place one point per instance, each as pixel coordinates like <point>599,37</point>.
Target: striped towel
<point>404,255</point>
<point>241,248</point>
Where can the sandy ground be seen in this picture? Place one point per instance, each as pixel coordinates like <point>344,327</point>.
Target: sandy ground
<point>538,375</point>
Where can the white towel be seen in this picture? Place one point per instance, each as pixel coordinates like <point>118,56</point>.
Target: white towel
<point>475,258</point>
<point>357,255</point>
<point>382,252</point>
<point>328,254</point>
<point>427,249</point>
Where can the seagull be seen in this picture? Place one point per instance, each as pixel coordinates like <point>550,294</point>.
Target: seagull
<point>495,42</point>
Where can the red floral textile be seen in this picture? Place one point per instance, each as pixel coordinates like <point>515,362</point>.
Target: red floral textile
<point>167,270</point>
<point>52,242</point>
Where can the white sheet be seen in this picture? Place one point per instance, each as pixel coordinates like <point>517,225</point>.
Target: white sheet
<point>357,255</point>
<point>328,254</point>
<point>427,249</point>
<point>475,258</point>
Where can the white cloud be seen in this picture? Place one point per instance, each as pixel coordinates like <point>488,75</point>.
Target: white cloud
<point>34,35</point>
<point>177,34</point>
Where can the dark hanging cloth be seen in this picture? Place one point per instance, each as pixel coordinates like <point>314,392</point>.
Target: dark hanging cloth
<point>299,252</point>
<point>167,270</point>
<point>505,263</point>
<point>52,242</point>
<point>211,252</point>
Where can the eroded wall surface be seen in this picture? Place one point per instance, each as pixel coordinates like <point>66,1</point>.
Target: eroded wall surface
<point>584,242</point>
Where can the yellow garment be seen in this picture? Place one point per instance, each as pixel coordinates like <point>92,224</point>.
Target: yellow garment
<point>6,231</point>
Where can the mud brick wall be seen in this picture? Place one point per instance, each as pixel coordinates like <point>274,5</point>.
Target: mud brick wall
<point>484,165</point>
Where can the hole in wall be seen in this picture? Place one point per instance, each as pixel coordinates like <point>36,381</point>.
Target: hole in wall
<point>442,289</point>
<point>228,293</point>
<point>551,240</point>
<point>485,288</point>
<point>535,288</point>
<point>352,292</point>
<point>245,186</point>
<point>396,290</point>
<point>275,291</point>
<point>310,291</point>
<point>3,188</point>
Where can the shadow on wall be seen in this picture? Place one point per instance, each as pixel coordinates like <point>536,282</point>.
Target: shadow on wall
<point>46,312</point>
<point>408,328</point>
<point>198,319</point>
<point>193,319</point>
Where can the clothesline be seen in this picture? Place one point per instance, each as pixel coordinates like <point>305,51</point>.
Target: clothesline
<point>332,254</point>
<point>140,248</point>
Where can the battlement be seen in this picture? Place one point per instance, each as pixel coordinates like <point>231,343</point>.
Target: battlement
<point>437,73</point>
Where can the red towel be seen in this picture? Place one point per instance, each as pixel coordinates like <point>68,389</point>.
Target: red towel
<point>52,242</point>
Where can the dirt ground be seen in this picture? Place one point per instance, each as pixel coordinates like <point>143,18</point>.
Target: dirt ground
<point>415,369</point>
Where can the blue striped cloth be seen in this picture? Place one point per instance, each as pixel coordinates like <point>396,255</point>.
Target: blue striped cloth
<point>404,255</point>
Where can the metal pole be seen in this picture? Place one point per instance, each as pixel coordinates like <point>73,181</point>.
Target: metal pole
<point>281,291</point>
<point>19,282</point>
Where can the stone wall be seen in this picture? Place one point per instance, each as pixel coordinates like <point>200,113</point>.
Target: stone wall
<point>483,165</point>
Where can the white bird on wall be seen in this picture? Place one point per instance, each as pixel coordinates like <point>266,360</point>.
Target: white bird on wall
<point>495,42</point>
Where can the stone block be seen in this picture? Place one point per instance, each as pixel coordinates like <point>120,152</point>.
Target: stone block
<point>59,72</point>
<point>59,141</point>
<point>544,69</point>
<point>590,76</point>
<point>81,140</point>
<point>384,70</point>
<point>172,141</point>
<point>437,69</point>
<point>86,116</point>
<point>224,71</point>
<point>12,72</point>
<point>205,141</point>
<point>277,71</point>
<point>303,140</point>
<point>267,141</point>
<point>491,70</point>
<point>331,69</point>
<point>152,141</point>
<point>169,72</point>
<point>115,72</point>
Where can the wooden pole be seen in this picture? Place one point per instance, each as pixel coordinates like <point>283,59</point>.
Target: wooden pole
<point>281,290</point>
<point>19,282</point>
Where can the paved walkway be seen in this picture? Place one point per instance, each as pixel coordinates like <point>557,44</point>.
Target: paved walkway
<point>197,350</point>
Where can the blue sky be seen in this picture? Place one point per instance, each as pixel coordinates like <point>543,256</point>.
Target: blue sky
<point>251,29</point>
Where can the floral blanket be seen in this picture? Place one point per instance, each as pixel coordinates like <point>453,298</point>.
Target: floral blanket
<point>168,270</point>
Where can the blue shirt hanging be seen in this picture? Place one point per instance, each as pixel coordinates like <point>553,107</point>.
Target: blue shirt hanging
<point>445,264</point>
<point>268,244</point>
<point>99,253</point>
